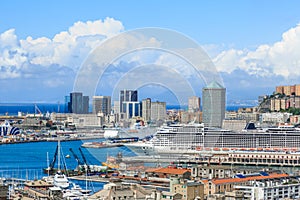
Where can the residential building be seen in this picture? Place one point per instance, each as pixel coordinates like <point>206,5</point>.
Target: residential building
<point>277,188</point>
<point>158,111</point>
<point>274,117</point>
<point>288,90</point>
<point>218,171</point>
<point>116,190</point>
<point>213,97</point>
<point>194,104</point>
<point>222,185</point>
<point>190,190</point>
<point>102,104</point>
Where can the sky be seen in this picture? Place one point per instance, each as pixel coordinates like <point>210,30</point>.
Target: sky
<point>254,44</point>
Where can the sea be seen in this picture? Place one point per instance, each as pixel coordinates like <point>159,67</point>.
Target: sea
<point>27,160</point>
<point>13,109</point>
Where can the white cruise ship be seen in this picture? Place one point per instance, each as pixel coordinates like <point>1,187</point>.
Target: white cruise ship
<point>180,139</point>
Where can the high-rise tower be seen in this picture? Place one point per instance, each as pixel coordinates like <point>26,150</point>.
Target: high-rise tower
<point>213,105</point>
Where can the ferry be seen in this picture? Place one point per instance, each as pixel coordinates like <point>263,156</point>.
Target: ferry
<point>181,139</point>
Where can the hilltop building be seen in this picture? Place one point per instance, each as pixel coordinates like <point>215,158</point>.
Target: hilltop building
<point>213,97</point>
<point>288,90</point>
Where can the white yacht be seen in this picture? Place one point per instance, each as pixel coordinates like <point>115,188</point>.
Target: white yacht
<point>61,180</point>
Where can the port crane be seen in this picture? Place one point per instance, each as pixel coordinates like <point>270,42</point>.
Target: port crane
<point>85,161</point>
<point>79,162</point>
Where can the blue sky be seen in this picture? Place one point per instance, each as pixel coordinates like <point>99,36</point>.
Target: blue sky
<point>256,42</point>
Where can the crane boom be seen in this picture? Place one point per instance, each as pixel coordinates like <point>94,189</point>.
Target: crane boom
<point>84,160</point>
<point>79,162</point>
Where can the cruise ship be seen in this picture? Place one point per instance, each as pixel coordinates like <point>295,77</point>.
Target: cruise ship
<point>186,139</point>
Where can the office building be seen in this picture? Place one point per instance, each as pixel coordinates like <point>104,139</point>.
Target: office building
<point>131,109</point>
<point>194,104</point>
<point>146,109</point>
<point>102,104</point>
<point>158,111</point>
<point>78,104</point>
<point>213,97</point>
<point>127,95</point>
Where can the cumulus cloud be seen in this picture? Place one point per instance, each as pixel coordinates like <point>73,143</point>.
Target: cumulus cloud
<point>280,58</point>
<point>67,48</point>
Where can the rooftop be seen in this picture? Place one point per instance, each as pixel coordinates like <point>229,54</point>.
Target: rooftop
<point>251,178</point>
<point>174,171</point>
<point>214,85</point>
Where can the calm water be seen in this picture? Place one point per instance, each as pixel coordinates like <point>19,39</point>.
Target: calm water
<point>14,108</point>
<point>27,160</point>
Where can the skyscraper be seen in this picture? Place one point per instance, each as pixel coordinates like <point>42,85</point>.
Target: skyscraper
<point>194,104</point>
<point>213,105</point>
<point>146,109</point>
<point>79,104</point>
<point>158,111</point>
<point>126,96</point>
<point>102,104</point>
<point>131,109</point>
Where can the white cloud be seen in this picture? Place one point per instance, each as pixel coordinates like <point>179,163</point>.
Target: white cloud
<point>67,48</point>
<point>281,58</point>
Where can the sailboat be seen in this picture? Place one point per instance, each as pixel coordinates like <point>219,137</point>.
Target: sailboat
<point>60,179</point>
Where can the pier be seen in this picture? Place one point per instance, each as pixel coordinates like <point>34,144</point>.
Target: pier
<point>263,158</point>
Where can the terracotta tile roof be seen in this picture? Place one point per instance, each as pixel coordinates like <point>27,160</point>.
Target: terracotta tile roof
<point>175,171</point>
<point>240,180</point>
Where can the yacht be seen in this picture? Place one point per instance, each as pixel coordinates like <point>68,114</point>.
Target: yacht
<point>61,180</point>
<point>187,139</point>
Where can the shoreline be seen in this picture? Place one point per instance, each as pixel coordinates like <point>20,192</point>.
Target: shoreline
<point>52,140</point>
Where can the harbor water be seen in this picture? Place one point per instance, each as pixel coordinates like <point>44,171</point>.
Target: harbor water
<point>27,160</point>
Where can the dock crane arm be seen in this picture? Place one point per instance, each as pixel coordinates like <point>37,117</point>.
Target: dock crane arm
<point>51,166</point>
<point>79,162</point>
<point>84,160</point>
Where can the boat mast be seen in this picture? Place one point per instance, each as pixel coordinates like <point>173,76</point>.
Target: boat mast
<point>58,155</point>
<point>48,164</point>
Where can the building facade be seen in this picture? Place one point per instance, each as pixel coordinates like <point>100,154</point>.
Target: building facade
<point>288,90</point>
<point>131,109</point>
<point>102,104</point>
<point>126,96</point>
<point>194,104</point>
<point>158,111</point>
<point>78,104</point>
<point>213,97</point>
<point>146,109</point>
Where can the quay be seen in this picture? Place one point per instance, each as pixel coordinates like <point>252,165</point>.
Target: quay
<point>256,158</point>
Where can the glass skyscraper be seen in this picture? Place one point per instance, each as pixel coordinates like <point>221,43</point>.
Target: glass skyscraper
<point>213,105</point>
